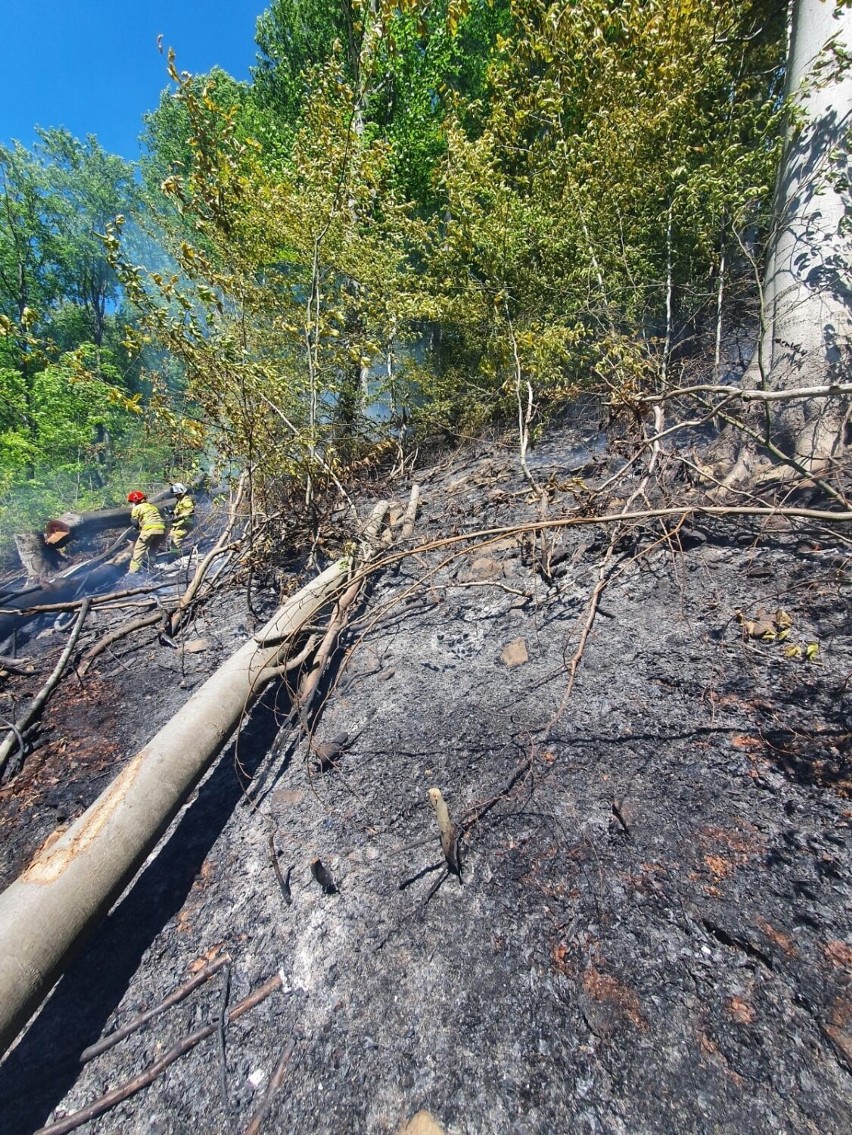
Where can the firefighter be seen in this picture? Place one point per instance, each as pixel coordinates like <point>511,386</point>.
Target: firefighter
<point>152,529</point>
<point>183,515</point>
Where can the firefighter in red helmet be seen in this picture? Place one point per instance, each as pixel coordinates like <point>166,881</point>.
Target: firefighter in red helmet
<point>152,529</point>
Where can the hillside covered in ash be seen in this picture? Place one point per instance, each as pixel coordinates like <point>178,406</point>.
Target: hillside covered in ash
<point>641,922</point>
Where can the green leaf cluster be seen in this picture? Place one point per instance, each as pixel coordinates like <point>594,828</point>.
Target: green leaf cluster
<point>427,207</point>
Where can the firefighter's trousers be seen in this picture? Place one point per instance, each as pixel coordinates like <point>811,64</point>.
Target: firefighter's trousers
<point>179,532</point>
<point>148,543</point>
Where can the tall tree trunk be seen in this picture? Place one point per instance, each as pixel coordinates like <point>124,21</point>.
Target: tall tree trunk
<point>806,333</point>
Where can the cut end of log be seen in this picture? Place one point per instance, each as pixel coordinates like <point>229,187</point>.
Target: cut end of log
<point>56,533</point>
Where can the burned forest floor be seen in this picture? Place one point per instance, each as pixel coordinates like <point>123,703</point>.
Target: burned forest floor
<point>652,927</point>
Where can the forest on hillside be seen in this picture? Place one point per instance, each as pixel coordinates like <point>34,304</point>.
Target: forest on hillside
<point>412,217</point>
<point>408,213</point>
<point>488,733</point>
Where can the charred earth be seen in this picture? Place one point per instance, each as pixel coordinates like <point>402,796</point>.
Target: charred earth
<point>647,924</point>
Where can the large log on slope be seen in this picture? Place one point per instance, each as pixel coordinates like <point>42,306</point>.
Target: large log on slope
<point>84,578</point>
<point>76,525</point>
<point>72,883</point>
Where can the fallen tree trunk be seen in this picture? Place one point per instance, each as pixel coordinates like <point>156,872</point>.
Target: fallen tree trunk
<point>85,577</point>
<point>76,525</point>
<point>38,548</point>
<point>72,882</point>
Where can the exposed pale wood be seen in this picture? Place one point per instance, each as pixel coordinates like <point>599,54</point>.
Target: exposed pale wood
<point>749,394</point>
<point>73,882</point>
<point>449,837</point>
<point>310,684</point>
<point>410,517</point>
<point>370,545</point>
<point>423,1123</point>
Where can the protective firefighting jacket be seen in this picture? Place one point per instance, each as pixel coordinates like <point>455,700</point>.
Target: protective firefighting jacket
<point>184,510</point>
<point>147,517</point>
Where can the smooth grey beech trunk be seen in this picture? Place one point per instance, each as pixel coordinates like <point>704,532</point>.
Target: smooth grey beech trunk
<point>73,881</point>
<point>807,294</point>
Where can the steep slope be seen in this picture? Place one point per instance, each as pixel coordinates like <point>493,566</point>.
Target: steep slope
<point>651,931</point>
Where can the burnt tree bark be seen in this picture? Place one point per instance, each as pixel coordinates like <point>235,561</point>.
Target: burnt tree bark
<point>83,578</point>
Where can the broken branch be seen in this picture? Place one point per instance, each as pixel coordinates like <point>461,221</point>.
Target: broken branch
<point>222,545</point>
<point>449,841</point>
<point>139,1022</point>
<point>113,636</point>
<point>751,395</point>
<point>284,884</point>
<point>47,689</point>
<point>275,1082</point>
<point>150,1074</point>
<point>95,600</point>
<point>410,517</point>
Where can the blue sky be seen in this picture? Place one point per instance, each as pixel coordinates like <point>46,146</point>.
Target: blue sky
<point>93,65</point>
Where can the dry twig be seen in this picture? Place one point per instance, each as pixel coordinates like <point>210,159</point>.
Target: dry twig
<point>149,1075</point>
<point>221,547</point>
<point>220,1033</point>
<point>44,693</point>
<point>449,839</point>
<point>74,604</point>
<point>283,883</point>
<point>275,1082</point>
<point>113,636</point>
<point>174,998</point>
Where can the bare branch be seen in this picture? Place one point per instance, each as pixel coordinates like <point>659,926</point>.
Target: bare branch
<point>174,998</point>
<point>150,1074</point>
<point>47,689</point>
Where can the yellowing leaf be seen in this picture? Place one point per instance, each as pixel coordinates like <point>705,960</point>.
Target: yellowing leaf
<point>811,651</point>
<point>793,651</point>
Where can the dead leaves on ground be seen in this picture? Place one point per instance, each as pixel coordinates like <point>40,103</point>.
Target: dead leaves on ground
<point>777,629</point>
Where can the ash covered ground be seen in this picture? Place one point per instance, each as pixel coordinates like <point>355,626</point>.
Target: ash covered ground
<point>652,931</point>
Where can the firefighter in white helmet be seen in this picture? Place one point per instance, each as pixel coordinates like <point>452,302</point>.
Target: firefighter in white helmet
<point>183,516</point>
